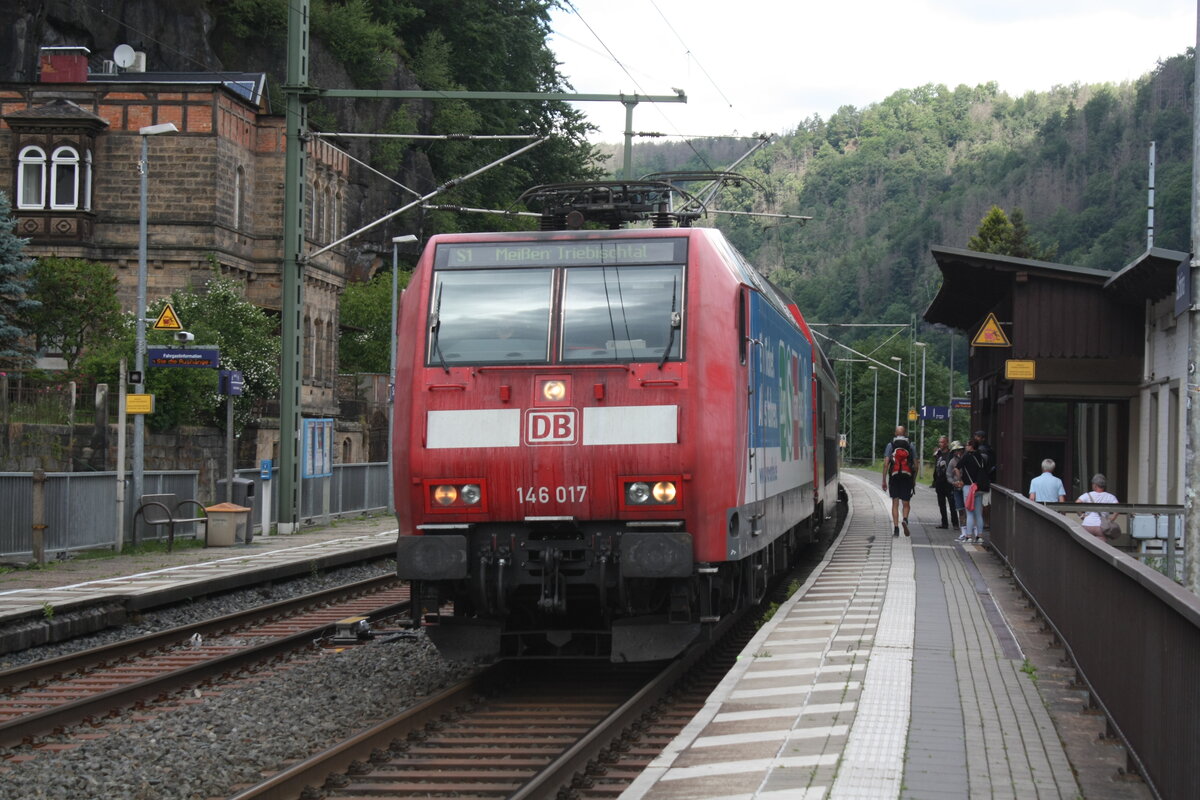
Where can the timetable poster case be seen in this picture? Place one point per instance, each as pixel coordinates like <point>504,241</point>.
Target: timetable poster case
<point>318,448</point>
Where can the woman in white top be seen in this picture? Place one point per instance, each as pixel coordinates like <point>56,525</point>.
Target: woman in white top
<point>1093,519</point>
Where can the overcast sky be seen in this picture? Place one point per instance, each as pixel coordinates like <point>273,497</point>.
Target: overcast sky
<point>764,65</point>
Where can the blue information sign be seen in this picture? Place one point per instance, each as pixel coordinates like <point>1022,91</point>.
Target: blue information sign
<point>935,412</point>
<point>231,382</point>
<point>960,403</point>
<point>265,468</point>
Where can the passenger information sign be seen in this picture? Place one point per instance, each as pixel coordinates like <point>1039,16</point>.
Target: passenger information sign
<point>206,357</point>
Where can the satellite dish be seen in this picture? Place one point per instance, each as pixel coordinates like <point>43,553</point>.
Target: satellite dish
<point>123,55</point>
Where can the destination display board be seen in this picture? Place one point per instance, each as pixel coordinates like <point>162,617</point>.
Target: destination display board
<point>599,252</point>
<point>206,357</point>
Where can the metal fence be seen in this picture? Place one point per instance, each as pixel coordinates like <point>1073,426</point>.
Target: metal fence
<point>81,507</point>
<point>1133,634</point>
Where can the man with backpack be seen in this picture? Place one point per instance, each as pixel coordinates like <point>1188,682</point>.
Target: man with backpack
<point>899,477</point>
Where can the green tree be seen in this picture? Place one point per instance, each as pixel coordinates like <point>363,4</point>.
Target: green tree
<point>219,315</point>
<point>364,344</point>
<point>995,234</point>
<point>78,305</point>
<point>1008,236</point>
<point>15,302</point>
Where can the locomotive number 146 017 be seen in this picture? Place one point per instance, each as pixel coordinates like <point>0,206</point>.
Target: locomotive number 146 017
<point>546,494</point>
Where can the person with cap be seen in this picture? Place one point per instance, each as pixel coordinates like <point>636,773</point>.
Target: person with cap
<point>1047,487</point>
<point>1093,521</point>
<point>954,474</point>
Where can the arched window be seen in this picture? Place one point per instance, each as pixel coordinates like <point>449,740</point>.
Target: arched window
<point>347,450</point>
<point>31,178</point>
<point>239,200</point>
<point>87,180</point>
<point>64,181</point>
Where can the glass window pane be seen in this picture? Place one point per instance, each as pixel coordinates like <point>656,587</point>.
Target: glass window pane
<point>66,185</point>
<point>621,313</point>
<point>31,195</point>
<point>490,316</point>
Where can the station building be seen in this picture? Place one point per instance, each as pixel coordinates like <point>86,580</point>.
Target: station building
<point>69,153</point>
<point>1090,372</point>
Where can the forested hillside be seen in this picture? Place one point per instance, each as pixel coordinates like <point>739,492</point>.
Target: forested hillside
<point>923,167</point>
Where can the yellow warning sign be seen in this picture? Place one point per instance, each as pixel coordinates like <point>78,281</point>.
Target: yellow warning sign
<point>167,320</point>
<point>990,334</point>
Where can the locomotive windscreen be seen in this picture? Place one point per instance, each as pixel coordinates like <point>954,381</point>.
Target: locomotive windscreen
<point>560,302</point>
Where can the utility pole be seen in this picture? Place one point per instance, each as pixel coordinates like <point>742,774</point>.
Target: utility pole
<point>1191,467</point>
<point>298,94</point>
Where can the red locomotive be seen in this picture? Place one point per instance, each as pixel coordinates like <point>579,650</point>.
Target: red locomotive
<point>604,439</point>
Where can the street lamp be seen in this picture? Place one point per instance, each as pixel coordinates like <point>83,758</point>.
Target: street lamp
<point>396,242</point>
<point>874,412</point>
<point>921,442</point>
<point>139,361</point>
<point>899,361</point>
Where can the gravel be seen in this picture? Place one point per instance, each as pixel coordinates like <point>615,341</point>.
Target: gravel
<point>200,610</point>
<point>205,749</point>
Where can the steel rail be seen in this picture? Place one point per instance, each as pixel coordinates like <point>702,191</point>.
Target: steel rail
<point>17,677</point>
<point>21,730</point>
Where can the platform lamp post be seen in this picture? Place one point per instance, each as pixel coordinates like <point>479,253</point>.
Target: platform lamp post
<point>139,361</point>
<point>874,412</point>
<point>396,242</point>
<point>899,362</point>
<point>921,440</point>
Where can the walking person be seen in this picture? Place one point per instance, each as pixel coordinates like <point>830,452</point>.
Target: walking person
<point>941,481</point>
<point>1102,526</point>
<point>973,473</point>
<point>899,477</point>
<point>1047,487</point>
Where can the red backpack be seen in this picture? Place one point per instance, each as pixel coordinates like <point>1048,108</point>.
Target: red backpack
<point>902,458</point>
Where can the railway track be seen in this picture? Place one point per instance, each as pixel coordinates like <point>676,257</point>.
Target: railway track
<point>529,731</point>
<point>39,699</point>
<point>521,730</point>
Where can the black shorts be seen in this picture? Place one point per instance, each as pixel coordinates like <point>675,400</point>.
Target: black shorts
<point>900,486</point>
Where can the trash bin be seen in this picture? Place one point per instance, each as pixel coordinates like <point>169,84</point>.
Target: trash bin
<point>243,491</point>
<point>225,522</point>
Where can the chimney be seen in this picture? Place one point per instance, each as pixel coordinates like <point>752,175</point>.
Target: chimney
<point>63,64</point>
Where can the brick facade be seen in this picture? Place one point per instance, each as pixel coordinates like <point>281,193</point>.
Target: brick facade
<point>215,194</point>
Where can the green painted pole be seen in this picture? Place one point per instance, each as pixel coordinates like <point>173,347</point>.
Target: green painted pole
<point>298,94</point>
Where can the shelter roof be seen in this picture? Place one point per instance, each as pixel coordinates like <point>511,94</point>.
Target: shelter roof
<point>972,282</point>
<point>1151,276</point>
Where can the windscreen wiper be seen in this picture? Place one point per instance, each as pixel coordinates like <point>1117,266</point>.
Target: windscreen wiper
<point>675,322</point>
<point>435,325</point>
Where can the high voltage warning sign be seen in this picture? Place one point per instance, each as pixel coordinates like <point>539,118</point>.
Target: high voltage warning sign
<point>990,334</point>
<point>167,320</point>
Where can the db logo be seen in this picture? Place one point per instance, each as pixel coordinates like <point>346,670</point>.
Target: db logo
<point>551,427</point>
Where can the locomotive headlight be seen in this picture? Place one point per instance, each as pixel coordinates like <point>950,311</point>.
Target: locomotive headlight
<point>554,391</point>
<point>470,494</point>
<point>445,495</point>
<point>664,492</point>
<point>637,494</point>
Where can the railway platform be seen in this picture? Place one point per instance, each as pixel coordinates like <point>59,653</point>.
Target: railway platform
<point>81,595</point>
<point>904,668</point>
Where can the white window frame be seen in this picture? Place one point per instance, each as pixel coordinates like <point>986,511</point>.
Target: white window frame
<point>64,158</point>
<point>87,180</point>
<point>32,159</point>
